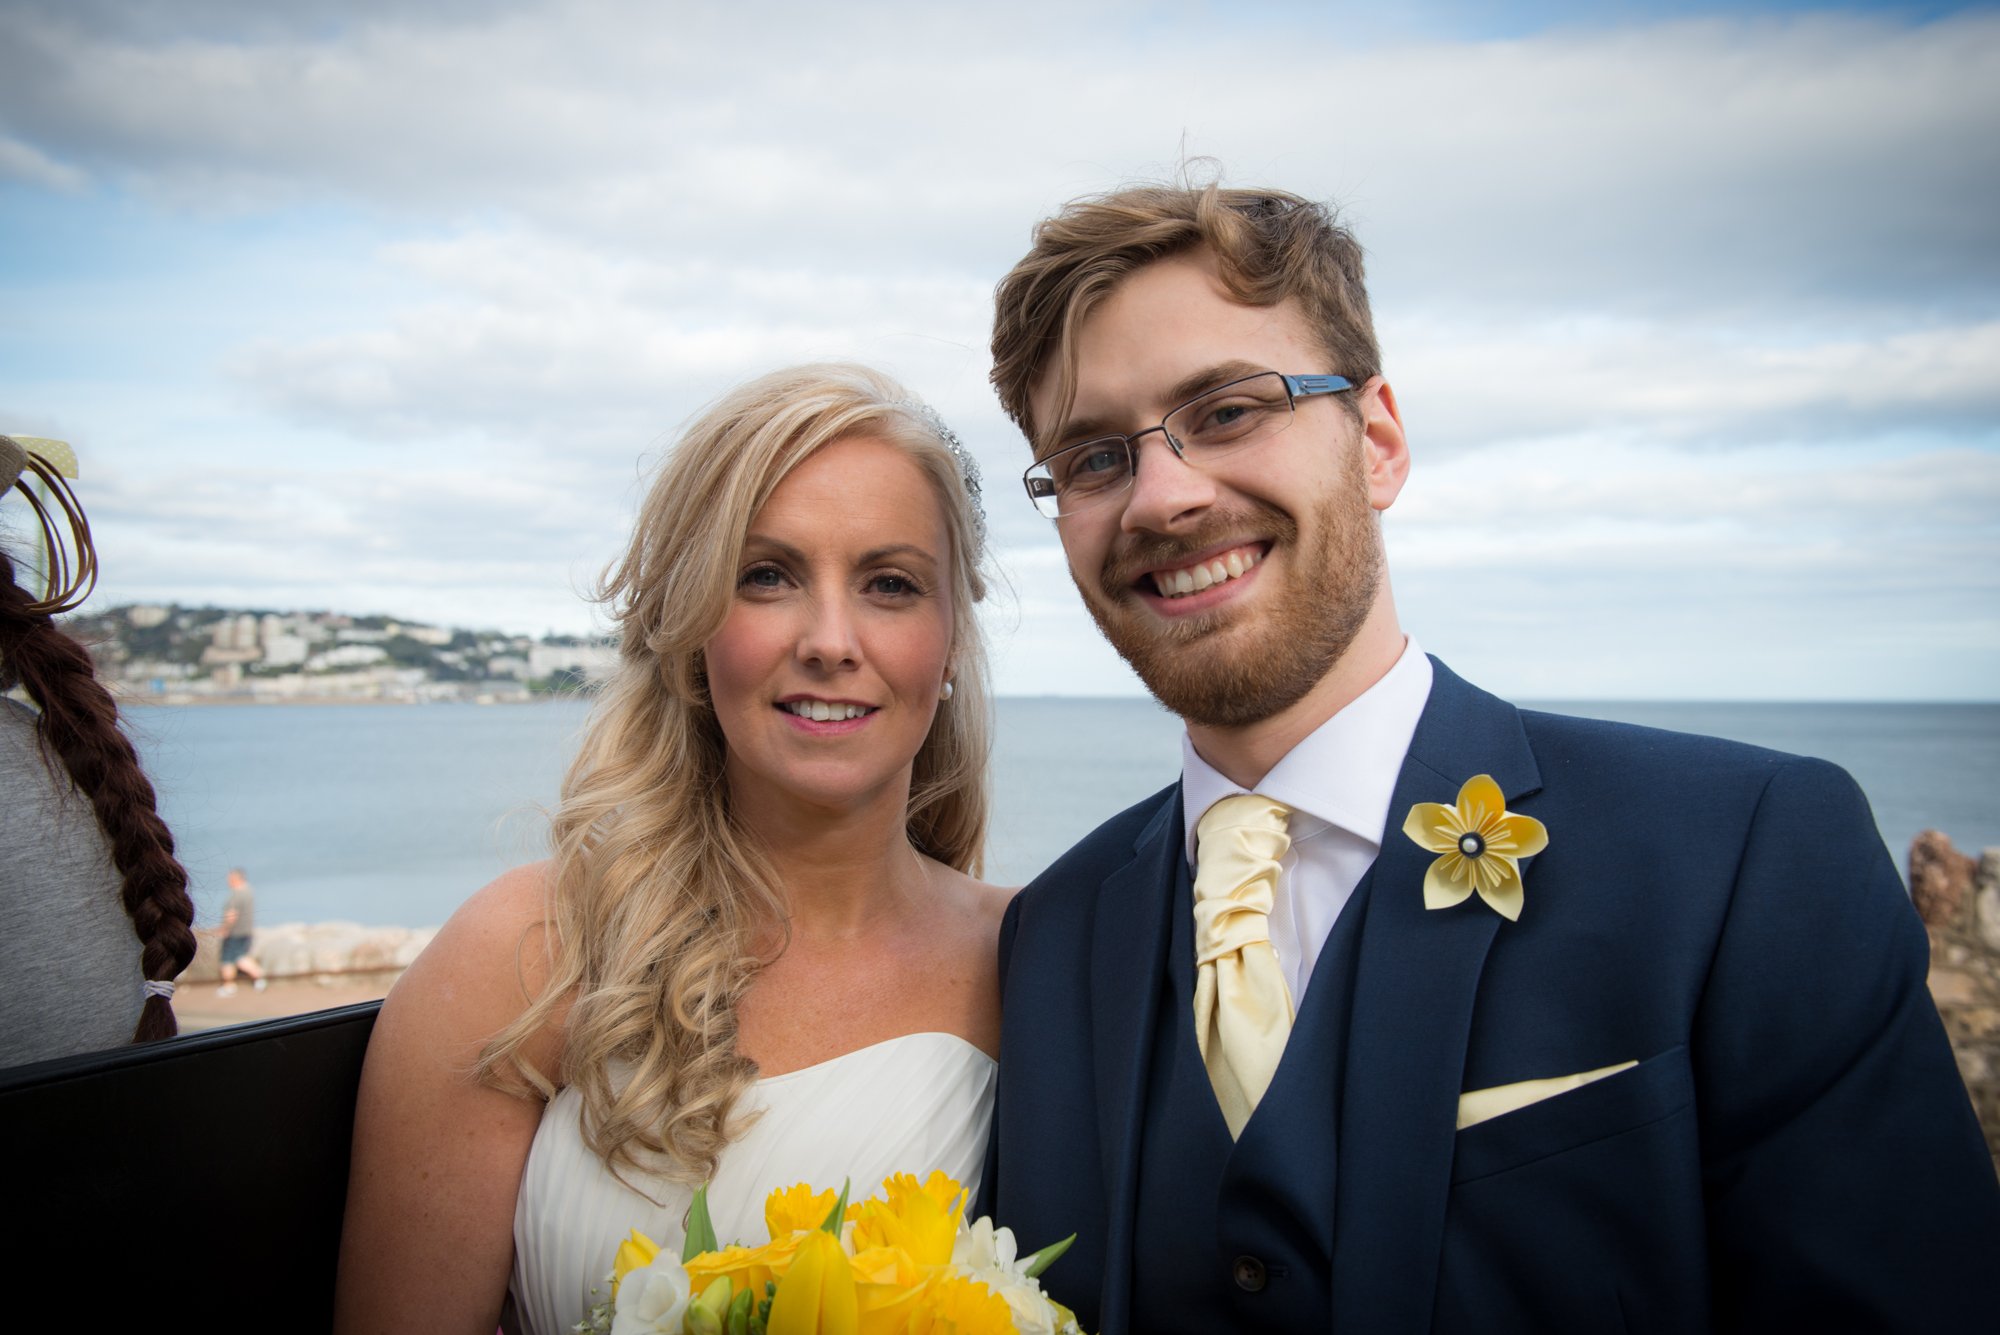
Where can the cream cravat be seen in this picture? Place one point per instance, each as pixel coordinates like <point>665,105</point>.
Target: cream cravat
<point>1242,1008</point>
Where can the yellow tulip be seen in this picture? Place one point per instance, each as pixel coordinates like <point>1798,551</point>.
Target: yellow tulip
<point>635,1253</point>
<point>887,1284</point>
<point>884,1309</point>
<point>817,1295</point>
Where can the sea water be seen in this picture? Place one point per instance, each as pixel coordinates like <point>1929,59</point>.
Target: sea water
<point>393,814</point>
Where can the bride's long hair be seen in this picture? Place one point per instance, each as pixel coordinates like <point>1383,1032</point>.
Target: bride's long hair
<point>655,890</point>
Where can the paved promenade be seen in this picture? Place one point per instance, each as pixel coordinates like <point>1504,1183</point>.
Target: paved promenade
<point>198,1007</point>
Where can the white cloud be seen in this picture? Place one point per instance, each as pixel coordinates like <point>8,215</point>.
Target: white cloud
<point>455,546</point>
<point>24,162</point>
<point>1534,486</point>
<point>532,334</point>
<point>1597,570</point>
<point>1586,568</point>
<point>1693,323</point>
<point>1705,167</point>
<point>1467,383</point>
<point>1814,157</point>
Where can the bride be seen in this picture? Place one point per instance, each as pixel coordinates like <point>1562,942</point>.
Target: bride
<point>757,955</point>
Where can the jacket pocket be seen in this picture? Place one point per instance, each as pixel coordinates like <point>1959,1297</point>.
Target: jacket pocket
<point>1655,1089</point>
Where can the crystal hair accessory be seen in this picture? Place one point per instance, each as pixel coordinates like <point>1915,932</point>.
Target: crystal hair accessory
<point>968,467</point>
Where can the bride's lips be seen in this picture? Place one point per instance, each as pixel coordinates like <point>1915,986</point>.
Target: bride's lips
<point>817,716</point>
<point>1204,581</point>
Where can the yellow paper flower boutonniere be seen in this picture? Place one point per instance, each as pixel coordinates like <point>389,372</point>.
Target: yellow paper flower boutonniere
<point>1480,844</point>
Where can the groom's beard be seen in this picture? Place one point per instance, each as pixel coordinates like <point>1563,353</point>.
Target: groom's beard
<point>1233,667</point>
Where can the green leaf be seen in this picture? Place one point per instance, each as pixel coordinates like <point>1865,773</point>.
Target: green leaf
<point>1048,1256</point>
<point>701,1230</point>
<point>839,1213</point>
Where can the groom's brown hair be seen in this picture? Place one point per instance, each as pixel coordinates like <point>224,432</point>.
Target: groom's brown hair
<point>1270,245</point>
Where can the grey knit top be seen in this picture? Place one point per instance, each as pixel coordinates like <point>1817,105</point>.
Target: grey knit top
<point>70,979</point>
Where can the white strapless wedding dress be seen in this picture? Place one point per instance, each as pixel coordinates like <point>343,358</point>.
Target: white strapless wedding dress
<point>907,1105</point>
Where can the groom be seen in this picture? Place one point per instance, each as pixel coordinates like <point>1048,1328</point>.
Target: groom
<point>1405,1010</point>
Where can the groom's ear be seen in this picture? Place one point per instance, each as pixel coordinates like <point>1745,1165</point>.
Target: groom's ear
<point>1385,451</point>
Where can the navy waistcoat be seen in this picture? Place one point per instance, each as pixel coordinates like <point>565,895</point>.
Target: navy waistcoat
<point>1241,1236</point>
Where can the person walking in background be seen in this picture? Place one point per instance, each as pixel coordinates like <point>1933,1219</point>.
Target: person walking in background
<point>99,922</point>
<point>239,923</point>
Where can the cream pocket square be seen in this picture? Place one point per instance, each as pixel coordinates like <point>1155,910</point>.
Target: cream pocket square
<point>1480,1105</point>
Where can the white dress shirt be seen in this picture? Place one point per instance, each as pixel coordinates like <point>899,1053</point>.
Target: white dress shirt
<point>1338,782</point>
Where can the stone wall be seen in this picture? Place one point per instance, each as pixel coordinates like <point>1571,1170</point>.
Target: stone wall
<point>1959,898</point>
<point>316,949</point>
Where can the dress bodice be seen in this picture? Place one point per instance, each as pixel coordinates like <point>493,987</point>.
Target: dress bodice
<point>906,1105</point>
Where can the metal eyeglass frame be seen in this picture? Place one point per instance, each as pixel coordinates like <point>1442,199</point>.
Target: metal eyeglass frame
<point>1296,387</point>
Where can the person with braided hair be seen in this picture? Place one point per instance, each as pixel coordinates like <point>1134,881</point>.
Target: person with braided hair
<point>86,863</point>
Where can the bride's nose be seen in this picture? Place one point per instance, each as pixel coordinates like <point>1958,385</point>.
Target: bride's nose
<point>828,639</point>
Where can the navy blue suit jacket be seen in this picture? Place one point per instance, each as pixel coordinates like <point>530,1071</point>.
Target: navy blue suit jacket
<point>1794,1149</point>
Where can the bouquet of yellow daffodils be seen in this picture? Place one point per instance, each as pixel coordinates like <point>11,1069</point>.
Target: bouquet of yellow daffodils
<point>901,1263</point>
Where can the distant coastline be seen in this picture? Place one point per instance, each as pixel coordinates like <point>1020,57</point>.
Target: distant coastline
<point>220,700</point>
<point>174,655</point>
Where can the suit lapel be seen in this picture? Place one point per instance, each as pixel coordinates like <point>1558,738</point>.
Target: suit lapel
<point>1414,987</point>
<point>1128,972</point>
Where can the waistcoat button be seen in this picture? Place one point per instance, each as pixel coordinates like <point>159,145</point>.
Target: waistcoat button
<point>1249,1274</point>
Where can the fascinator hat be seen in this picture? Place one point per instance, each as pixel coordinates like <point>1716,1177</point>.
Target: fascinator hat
<point>39,469</point>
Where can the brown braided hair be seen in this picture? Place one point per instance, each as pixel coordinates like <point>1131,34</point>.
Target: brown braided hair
<point>78,724</point>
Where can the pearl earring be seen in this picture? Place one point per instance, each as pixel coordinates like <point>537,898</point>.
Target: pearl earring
<point>944,692</point>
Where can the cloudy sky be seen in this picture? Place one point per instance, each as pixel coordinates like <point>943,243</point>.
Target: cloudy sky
<point>1693,309</point>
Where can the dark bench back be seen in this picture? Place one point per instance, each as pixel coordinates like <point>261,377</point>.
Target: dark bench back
<point>207,1173</point>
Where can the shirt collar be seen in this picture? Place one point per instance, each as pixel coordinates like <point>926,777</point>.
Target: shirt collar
<point>1343,772</point>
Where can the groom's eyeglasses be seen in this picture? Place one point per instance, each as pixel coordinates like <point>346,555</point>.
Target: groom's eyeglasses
<point>1209,426</point>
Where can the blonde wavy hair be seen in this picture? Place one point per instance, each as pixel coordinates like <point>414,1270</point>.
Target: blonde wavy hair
<point>656,891</point>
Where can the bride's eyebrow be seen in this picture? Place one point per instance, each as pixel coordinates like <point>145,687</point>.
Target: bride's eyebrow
<point>765,545</point>
<point>896,549</point>
<point>761,544</point>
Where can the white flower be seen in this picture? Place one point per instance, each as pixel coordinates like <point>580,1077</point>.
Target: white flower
<point>988,1254</point>
<point>652,1300</point>
<point>980,1246</point>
